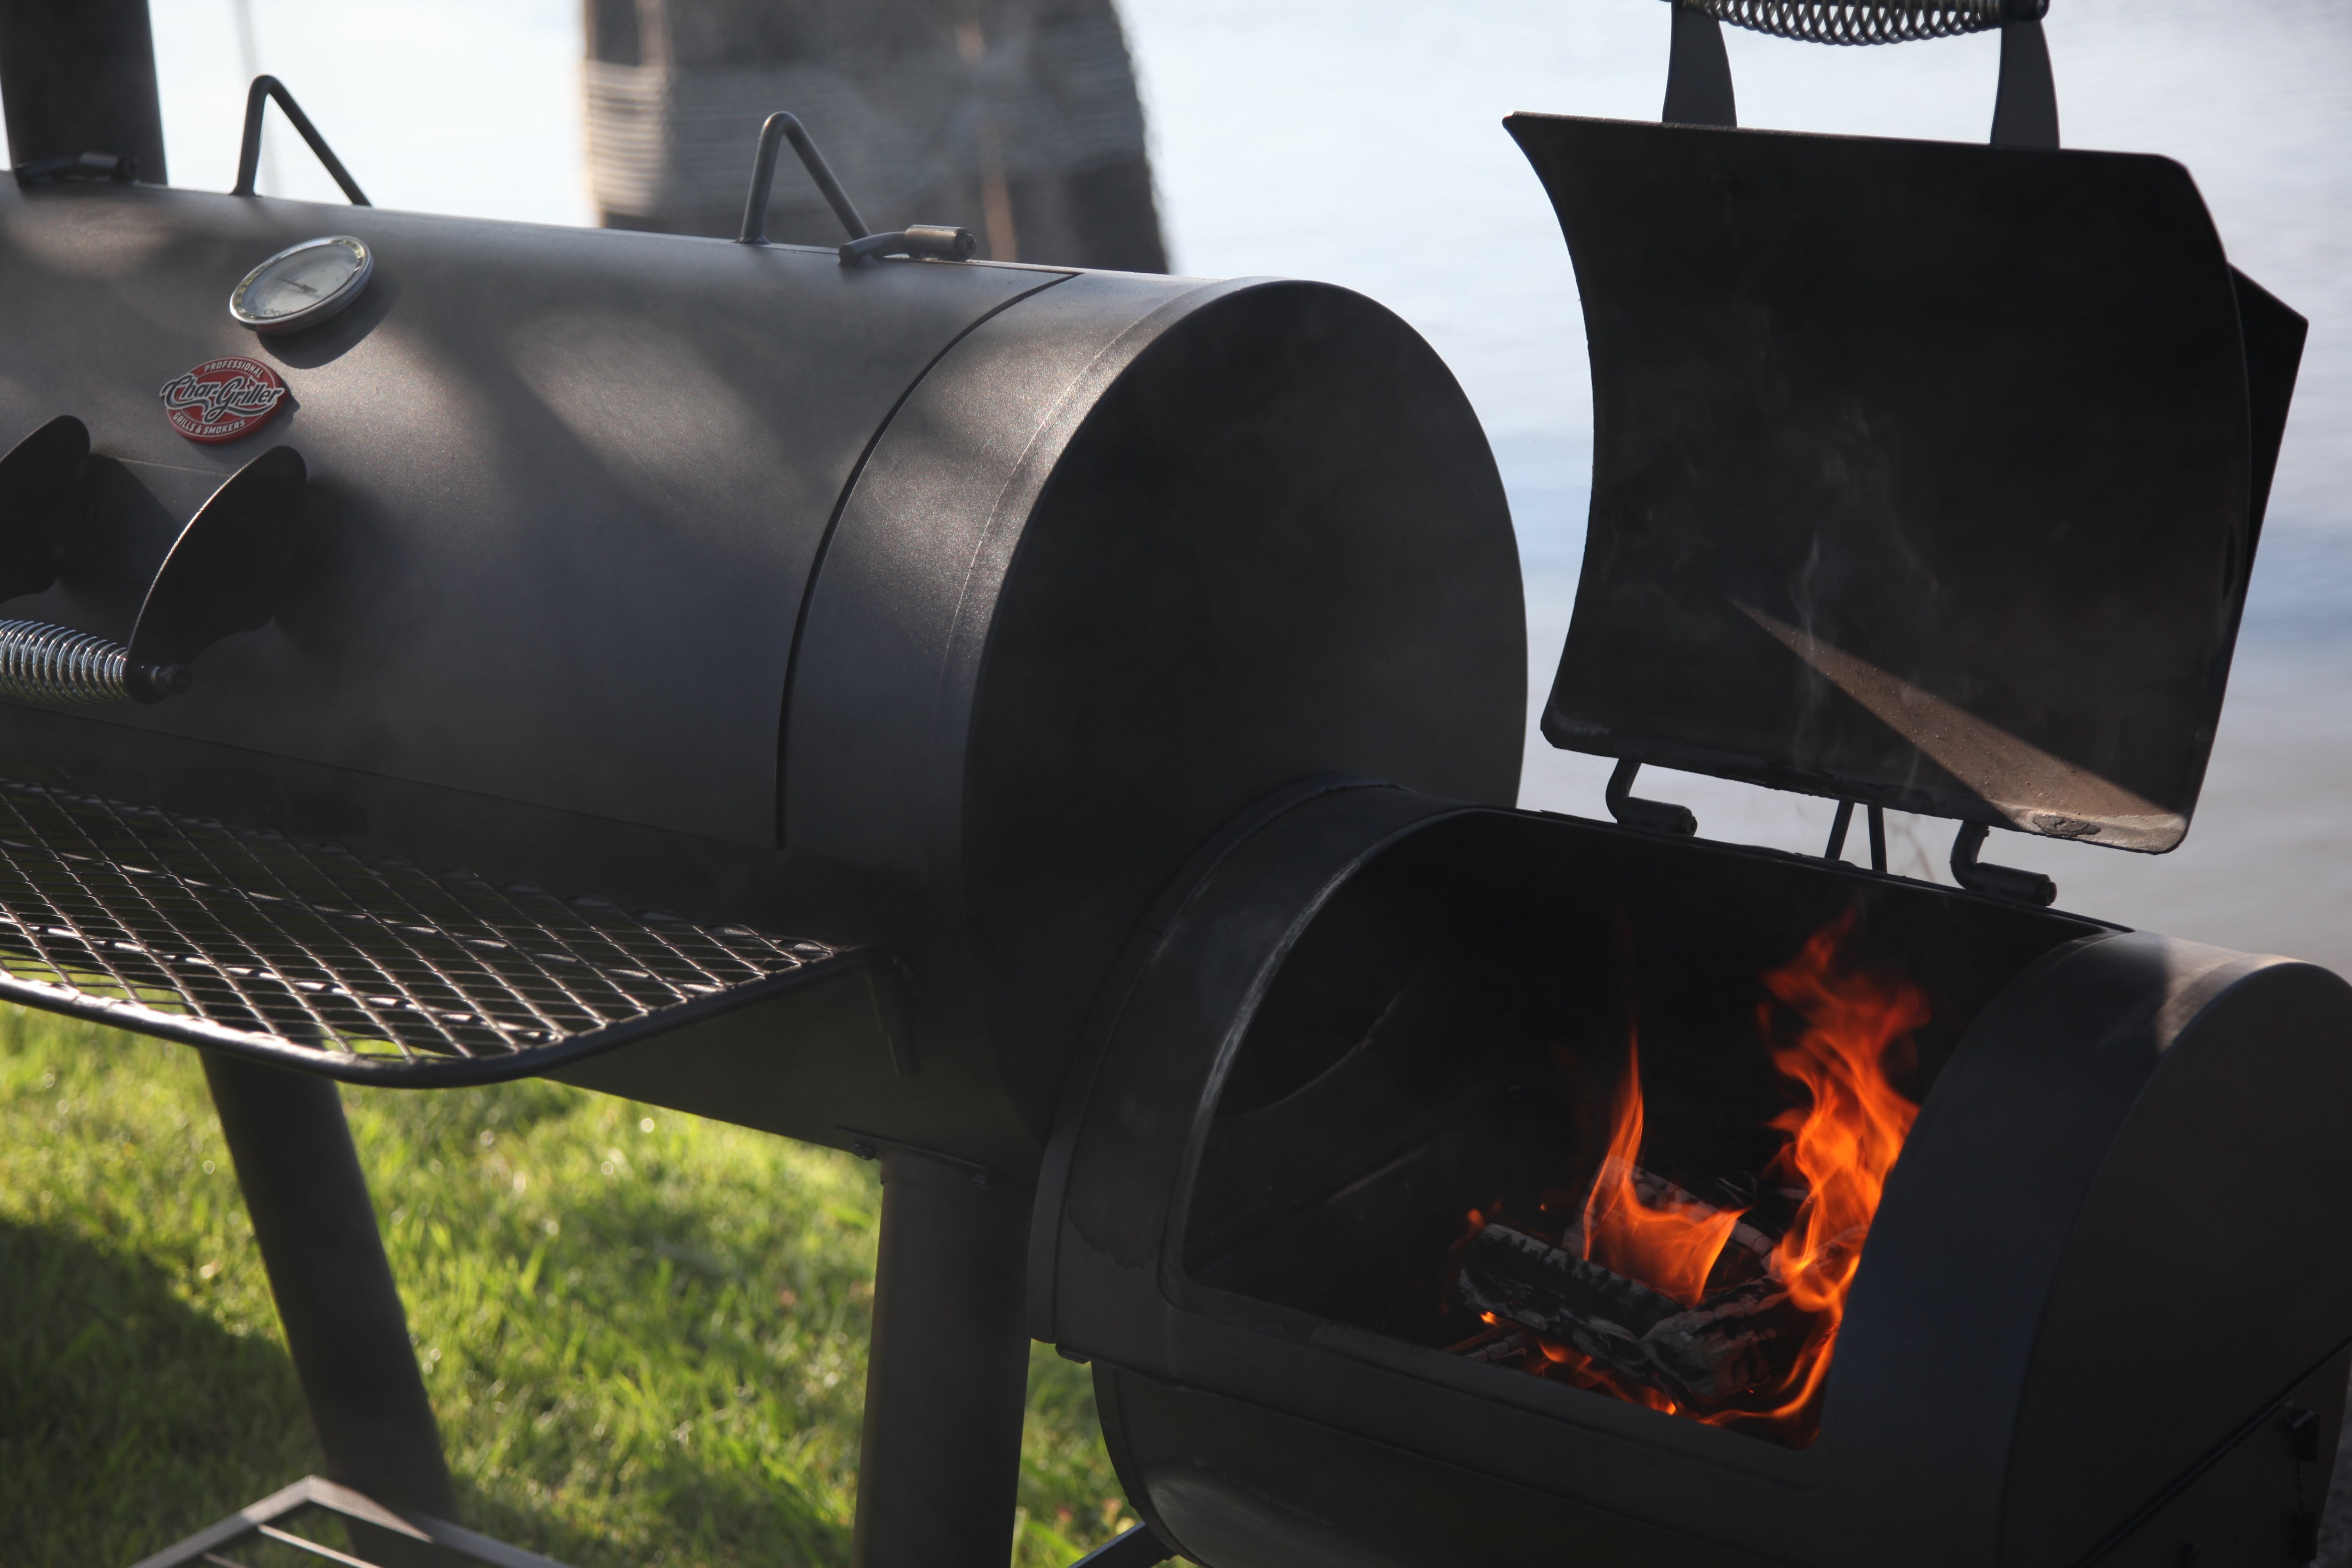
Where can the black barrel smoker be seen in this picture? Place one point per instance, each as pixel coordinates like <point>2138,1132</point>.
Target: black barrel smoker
<point>1055,732</point>
<point>762,681</point>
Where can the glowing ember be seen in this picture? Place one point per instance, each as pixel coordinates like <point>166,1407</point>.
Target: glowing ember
<point>1675,1303</point>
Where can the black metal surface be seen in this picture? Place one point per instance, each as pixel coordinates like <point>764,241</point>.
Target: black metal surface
<point>2123,1144</point>
<point>369,970</point>
<point>529,447</point>
<point>78,76</point>
<point>947,1370</point>
<point>1273,527</point>
<point>2258,1501</point>
<point>345,1328</point>
<point>1921,472</point>
<point>779,127</point>
<point>248,151</point>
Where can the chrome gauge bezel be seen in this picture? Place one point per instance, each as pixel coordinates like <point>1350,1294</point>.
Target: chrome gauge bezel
<point>318,311</point>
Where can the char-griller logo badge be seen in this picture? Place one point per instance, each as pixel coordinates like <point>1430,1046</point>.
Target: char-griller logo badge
<point>221,400</point>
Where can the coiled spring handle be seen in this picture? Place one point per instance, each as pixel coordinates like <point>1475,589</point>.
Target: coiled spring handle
<point>44,664</point>
<point>2025,103</point>
<point>222,574</point>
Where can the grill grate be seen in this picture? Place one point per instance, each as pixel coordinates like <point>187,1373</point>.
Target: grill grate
<point>364,969</point>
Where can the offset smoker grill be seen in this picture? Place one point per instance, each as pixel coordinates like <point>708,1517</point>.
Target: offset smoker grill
<point>1054,731</point>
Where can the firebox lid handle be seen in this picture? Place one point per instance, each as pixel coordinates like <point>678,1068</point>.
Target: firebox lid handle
<point>778,126</point>
<point>2025,104</point>
<point>248,153</point>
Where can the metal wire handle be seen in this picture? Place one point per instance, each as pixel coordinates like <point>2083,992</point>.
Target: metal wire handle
<point>44,663</point>
<point>248,153</point>
<point>1867,21</point>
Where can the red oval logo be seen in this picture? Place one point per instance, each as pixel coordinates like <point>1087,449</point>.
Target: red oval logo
<point>221,400</point>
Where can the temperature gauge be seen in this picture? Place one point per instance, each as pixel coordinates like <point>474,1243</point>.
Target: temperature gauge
<point>303,285</point>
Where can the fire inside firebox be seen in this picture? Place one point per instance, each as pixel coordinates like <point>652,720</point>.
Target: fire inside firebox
<point>1726,1310</point>
<point>1666,1081</point>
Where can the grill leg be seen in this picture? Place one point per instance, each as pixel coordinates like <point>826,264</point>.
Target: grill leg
<point>947,1375</point>
<point>336,1297</point>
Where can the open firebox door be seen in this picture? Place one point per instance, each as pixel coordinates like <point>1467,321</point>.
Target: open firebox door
<point>1455,1184</point>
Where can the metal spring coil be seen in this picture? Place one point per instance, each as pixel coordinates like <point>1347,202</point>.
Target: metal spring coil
<point>1862,21</point>
<point>44,663</point>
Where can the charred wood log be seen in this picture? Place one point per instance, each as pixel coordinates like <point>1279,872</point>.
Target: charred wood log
<point>1705,1355</point>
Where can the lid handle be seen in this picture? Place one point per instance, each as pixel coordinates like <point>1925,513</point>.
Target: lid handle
<point>1698,70</point>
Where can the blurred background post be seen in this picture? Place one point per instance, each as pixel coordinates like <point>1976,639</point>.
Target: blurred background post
<point>1017,118</point>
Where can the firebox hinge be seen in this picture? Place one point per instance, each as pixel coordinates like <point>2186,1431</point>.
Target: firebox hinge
<point>1845,820</point>
<point>2000,881</point>
<point>1655,816</point>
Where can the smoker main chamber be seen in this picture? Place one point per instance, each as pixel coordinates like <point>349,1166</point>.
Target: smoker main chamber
<point>1085,707</point>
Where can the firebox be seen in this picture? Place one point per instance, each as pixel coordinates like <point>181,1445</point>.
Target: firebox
<point>1448,1183</point>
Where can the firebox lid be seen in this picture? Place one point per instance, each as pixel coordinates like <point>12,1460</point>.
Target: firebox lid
<point>1924,474</point>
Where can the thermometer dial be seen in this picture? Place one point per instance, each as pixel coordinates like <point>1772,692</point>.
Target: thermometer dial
<point>302,286</point>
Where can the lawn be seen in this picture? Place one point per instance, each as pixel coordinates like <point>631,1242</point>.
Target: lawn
<point>644,1334</point>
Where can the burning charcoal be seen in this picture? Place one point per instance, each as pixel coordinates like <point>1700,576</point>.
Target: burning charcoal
<point>1507,1351</point>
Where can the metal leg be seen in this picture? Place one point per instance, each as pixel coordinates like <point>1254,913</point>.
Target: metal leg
<point>336,1297</point>
<point>948,1373</point>
<point>79,76</point>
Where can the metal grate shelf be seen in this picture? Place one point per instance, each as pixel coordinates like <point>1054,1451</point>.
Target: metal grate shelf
<point>367,970</point>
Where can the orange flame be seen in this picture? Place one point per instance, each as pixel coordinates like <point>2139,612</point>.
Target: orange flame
<point>1842,1144</point>
<point>1670,1247</point>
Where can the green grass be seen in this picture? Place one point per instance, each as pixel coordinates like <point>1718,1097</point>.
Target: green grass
<point>645,1335</point>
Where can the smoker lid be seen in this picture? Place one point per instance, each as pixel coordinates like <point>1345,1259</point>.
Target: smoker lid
<point>1924,474</point>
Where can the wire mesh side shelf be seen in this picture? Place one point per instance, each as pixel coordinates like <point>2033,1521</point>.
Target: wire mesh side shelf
<point>266,1520</point>
<point>368,969</point>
